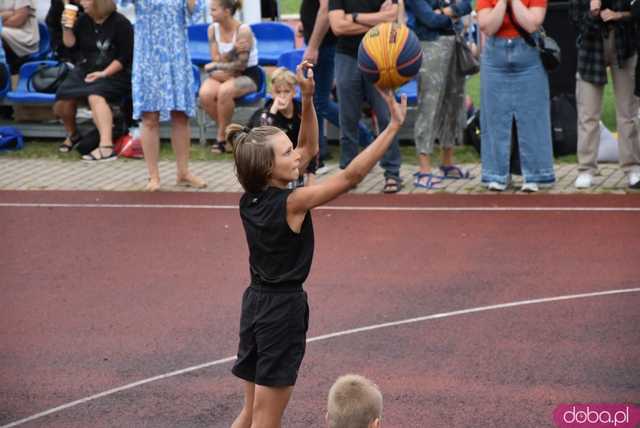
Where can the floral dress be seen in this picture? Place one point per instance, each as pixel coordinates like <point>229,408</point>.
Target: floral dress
<point>162,78</point>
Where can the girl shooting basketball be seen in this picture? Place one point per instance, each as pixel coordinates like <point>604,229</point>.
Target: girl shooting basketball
<point>277,223</point>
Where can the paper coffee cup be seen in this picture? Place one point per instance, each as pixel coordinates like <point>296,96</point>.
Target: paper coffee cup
<point>71,13</point>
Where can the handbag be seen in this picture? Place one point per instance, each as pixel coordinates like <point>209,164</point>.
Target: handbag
<point>550,53</point>
<point>468,64</point>
<point>47,78</point>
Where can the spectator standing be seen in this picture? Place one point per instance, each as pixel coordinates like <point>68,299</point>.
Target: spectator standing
<point>321,51</point>
<point>234,71</point>
<point>103,40</point>
<point>20,34</point>
<point>354,402</point>
<point>53,21</point>
<point>514,88</point>
<point>162,82</point>
<point>606,37</point>
<point>441,111</point>
<point>350,20</point>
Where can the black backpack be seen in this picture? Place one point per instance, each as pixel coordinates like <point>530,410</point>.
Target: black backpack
<point>47,78</point>
<point>564,124</point>
<point>472,134</point>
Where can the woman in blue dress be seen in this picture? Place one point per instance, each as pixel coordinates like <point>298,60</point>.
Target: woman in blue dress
<point>162,82</point>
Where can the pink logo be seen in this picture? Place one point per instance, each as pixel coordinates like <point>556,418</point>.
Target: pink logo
<point>596,415</point>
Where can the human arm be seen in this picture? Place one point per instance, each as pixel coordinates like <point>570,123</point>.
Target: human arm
<point>113,68</point>
<point>307,145</point>
<point>425,14</point>
<point>15,18</point>
<point>237,59</point>
<point>529,18</point>
<point>303,199</point>
<point>343,24</point>
<point>608,15</point>
<point>458,9</point>
<point>320,28</point>
<point>213,45</point>
<point>490,19</point>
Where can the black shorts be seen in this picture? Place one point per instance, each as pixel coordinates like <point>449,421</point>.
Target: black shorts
<point>253,73</point>
<point>273,333</point>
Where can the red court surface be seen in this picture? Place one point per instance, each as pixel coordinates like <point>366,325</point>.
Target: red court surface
<point>102,290</point>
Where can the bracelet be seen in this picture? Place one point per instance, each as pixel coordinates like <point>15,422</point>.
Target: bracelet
<point>354,16</point>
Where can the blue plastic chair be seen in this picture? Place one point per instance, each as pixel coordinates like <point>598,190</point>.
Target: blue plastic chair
<point>254,97</point>
<point>44,46</point>
<point>411,90</point>
<point>273,38</point>
<point>291,59</point>
<point>24,94</point>
<point>199,44</point>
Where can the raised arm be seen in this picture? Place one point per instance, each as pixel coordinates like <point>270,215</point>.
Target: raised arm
<point>490,19</point>
<point>303,199</point>
<point>307,145</point>
<point>529,18</point>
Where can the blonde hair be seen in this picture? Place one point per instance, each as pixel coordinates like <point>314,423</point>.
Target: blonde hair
<point>354,402</point>
<point>282,76</point>
<point>232,5</point>
<point>253,154</point>
<point>102,8</point>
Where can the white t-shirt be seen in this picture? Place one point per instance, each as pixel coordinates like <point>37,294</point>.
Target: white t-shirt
<point>23,40</point>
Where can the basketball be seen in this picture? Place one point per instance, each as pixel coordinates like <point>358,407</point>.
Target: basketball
<point>389,55</point>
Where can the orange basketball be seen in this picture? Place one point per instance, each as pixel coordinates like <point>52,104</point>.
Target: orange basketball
<point>389,55</point>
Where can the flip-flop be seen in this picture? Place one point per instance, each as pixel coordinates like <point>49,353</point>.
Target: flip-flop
<point>431,182</point>
<point>454,172</point>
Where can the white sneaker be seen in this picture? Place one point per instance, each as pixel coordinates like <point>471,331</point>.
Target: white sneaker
<point>497,187</point>
<point>529,187</point>
<point>322,170</point>
<point>584,180</point>
<point>634,180</point>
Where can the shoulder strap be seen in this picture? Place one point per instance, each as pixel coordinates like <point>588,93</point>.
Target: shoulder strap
<point>523,33</point>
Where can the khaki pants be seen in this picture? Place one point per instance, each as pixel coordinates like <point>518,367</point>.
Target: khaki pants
<point>589,99</point>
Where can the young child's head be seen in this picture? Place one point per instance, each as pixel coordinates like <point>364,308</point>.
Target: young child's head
<point>283,86</point>
<point>220,8</point>
<point>263,156</point>
<point>354,402</point>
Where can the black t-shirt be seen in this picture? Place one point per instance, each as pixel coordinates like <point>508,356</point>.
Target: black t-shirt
<point>308,13</point>
<point>349,44</point>
<point>290,126</point>
<point>277,255</point>
<point>101,44</point>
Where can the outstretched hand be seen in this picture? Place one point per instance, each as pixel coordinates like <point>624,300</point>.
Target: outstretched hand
<point>397,111</point>
<point>306,83</point>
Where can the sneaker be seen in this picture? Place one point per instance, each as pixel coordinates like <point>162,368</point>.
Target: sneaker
<point>634,180</point>
<point>584,180</point>
<point>497,187</point>
<point>322,169</point>
<point>529,187</point>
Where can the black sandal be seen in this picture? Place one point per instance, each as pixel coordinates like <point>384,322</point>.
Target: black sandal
<point>73,139</point>
<point>219,147</point>
<point>91,158</point>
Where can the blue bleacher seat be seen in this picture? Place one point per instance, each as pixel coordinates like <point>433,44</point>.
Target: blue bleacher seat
<point>44,47</point>
<point>256,96</point>
<point>411,90</point>
<point>291,59</point>
<point>23,93</point>
<point>273,38</point>
<point>199,44</point>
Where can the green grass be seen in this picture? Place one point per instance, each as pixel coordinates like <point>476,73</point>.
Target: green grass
<point>288,7</point>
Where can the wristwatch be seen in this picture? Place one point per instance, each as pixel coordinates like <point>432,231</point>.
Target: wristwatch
<point>354,16</point>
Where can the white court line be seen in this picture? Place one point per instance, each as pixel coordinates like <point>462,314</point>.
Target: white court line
<point>332,208</point>
<point>323,337</point>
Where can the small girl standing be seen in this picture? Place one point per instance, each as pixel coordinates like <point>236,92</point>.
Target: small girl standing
<point>279,231</point>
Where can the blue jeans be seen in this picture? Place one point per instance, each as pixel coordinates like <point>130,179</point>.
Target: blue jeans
<point>514,84</point>
<point>325,108</point>
<point>353,89</point>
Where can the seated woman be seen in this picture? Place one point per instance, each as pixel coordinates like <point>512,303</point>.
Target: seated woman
<point>53,21</point>
<point>234,71</point>
<point>20,35</point>
<point>104,41</point>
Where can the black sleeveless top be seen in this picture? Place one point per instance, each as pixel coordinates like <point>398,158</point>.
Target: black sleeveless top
<point>277,255</point>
